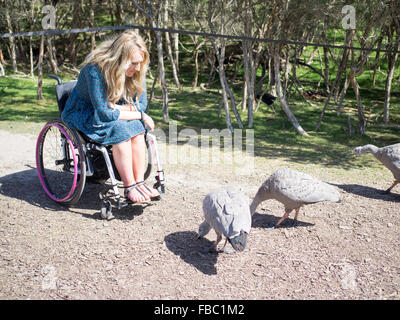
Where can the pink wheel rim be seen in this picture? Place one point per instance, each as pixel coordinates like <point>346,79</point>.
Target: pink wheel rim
<point>41,177</point>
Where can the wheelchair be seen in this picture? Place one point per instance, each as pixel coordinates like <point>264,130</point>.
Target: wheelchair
<point>66,159</point>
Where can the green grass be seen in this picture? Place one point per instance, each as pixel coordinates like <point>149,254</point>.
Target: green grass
<point>274,135</point>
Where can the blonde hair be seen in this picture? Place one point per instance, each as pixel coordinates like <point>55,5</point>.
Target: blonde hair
<point>112,56</point>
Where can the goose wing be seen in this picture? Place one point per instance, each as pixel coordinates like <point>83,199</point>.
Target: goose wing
<point>301,187</point>
<point>227,211</point>
<point>390,155</point>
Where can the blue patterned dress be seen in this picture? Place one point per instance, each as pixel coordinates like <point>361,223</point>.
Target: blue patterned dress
<point>87,110</point>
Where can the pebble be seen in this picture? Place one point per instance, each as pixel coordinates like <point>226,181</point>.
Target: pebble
<point>390,225</point>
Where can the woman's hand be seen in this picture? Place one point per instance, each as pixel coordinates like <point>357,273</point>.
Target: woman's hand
<point>148,121</point>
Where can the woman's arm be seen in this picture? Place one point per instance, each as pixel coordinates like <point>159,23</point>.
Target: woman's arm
<point>122,107</point>
<point>129,115</point>
<point>137,115</point>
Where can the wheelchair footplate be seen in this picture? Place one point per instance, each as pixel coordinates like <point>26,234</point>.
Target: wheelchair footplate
<point>110,198</point>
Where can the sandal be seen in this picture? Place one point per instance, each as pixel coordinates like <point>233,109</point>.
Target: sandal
<point>128,189</point>
<point>148,191</point>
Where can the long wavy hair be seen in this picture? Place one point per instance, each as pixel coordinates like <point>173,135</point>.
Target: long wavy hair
<point>113,57</point>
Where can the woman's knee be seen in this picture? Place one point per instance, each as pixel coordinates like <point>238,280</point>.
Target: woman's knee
<point>138,139</point>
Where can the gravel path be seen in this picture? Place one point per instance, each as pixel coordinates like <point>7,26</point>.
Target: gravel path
<point>349,250</point>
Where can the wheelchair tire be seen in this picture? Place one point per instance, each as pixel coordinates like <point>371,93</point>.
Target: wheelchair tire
<point>60,163</point>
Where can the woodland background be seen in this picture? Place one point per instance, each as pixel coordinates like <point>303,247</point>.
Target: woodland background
<point>349,93</point>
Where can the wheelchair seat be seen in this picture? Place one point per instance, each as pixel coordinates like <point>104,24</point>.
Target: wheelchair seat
<point>63,90</point>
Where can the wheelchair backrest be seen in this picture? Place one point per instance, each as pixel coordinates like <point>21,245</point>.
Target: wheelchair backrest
<point>62,92</point>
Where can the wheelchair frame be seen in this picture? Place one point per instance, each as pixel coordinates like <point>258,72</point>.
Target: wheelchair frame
<point>83,151</point>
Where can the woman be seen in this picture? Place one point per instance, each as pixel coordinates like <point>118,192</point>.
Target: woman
<point>108,104</point>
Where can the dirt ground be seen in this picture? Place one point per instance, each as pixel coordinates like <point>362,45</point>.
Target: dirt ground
<point>347,250</point>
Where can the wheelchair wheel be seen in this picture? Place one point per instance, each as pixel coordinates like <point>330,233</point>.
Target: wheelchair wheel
<point>60,163</point>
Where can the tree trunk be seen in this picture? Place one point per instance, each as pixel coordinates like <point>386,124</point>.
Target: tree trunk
<point>91,24</point>
<point>336,86</point>
<point>326,73</point>
<point>361,117</point>
<point>377,56</point>
<point>31,58</point>
<point>12,39</point>
<point>253,63</point>
<point>246,80</point>
<point>343,94</point>
<point>271,76</point>
<point>118,17</point>
<point>282,98</point>
<point>392,65</point>
<point>52,55</point>
<point>175,37</point>
<point>40,69</point>
<point>162,77</point>
<point>196,63</point>
<point>72,39</point>
<point>160,55</point>
<point>2,72</point>
<point>234,109</point>
<point>1,56</point>
<point>221,72</point>
<point>343,63</point>
<point>225,102</point>
<point>168,47</point>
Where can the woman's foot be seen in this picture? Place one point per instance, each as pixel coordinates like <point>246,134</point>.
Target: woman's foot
<point>152,193</point>
<point>134,194</point>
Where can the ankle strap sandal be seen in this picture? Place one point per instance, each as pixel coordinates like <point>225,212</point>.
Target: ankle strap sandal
<point>148,190</point>
<point>130,188</point>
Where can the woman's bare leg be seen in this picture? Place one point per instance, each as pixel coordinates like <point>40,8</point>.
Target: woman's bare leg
<point>122,155</point>
<point>139,150</point>
<point>138,156</point>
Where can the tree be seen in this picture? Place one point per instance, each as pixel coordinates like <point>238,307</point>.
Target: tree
<point>151,18</point>
<point>13,50</point>
<point>216,19</point>
<point>40,69</point>
<point>173,62</point>
<point>392,57</point>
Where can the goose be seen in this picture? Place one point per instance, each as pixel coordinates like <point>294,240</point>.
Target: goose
<point>293,189</point>
<point>227,211</point>
<point>389,156</point>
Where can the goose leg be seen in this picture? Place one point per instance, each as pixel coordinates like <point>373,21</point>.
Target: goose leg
<point>215,244</point>
<point>295,217</point>
<point>391,187</point>
<point>226,241</point>
<point>226,249</point>
<point>287,211</point>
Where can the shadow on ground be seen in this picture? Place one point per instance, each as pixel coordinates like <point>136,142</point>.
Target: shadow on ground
<point>25,186</point>
<point>369,192</point>
<point>266,221</point>
<point>193,251</point>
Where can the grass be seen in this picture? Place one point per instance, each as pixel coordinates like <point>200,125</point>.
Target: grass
<point>274,135</point>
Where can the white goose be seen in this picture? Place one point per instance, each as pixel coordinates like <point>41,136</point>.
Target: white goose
<point>293,189</point>
<point>227,211</point>
<point>389,156</point>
